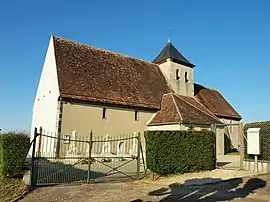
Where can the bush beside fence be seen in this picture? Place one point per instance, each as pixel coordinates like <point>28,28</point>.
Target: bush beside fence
<point>13,149</point>
<point>169,152</point>
<point>264,138</point>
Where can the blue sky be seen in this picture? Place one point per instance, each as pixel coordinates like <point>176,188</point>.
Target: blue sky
<point>228,41</point>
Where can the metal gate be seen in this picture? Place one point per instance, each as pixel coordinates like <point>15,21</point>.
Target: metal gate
<point>68,158</point>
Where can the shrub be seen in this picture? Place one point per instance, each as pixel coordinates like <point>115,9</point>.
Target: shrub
<point>264,138</point>
<point>191,127</point>
<point>13,150</point>
<point>169,152</point>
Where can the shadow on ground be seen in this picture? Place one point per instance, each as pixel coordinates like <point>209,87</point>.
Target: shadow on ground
<point>53,173</point>
<point>222,163</point>
<point>56,173</point>
<point>223,191</point>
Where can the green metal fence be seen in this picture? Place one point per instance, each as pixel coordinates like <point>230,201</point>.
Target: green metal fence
<point>70,158</point>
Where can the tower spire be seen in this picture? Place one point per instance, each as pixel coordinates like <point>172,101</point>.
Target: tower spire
<point>169,38</point>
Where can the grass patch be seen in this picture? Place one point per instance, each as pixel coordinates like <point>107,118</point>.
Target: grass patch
<point>11,188</point>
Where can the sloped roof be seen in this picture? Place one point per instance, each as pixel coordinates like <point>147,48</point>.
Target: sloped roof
<point>97,75</point>
<point>89,74</point>
<point>169,51</point>
<point>215,102</point>
<point>182,109</point>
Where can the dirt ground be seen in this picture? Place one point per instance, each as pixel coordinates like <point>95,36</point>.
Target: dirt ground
<point>11,188</point>
<point>226,184</point>
<point>237,189</point>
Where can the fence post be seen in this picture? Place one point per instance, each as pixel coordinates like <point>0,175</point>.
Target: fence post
<point>143,159</point>
<point>33,173</point>
<point>242,145</point>
<point>40,141</point>
<point>89,157</point>
<point>138,155</point>
<point>213,129</point>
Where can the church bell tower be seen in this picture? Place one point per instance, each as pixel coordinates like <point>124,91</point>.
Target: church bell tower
<point>177,70</point>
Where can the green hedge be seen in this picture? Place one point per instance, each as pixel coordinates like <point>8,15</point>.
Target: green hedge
<point>13,149</point>
<point>169,152</point>
<point>264,137</point>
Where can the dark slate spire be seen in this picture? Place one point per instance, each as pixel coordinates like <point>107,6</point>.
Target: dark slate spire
<point>169,51</point>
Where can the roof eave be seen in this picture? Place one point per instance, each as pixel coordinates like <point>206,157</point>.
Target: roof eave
<point>165,123</point>
<point>91,100</point>
<point>228,116</point>
<point>174,60</point>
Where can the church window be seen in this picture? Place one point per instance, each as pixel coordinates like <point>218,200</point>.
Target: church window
<point>177,74</point>
<point>136,115</point>
<point>104,113</point>
<point>186,77</point>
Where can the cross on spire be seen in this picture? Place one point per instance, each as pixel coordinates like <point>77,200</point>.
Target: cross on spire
<point>169,38</point>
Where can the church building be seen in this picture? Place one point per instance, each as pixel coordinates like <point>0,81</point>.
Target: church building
<point>84,88</point>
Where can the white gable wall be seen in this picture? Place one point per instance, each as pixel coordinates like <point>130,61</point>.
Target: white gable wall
<point>45,109</point>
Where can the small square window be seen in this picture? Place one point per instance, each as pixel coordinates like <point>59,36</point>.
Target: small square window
<point>104,113</point>
<point>136,115</point>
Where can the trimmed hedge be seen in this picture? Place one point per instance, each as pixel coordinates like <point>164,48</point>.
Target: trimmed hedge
<point>264,137</point>
<point>169,152</point>
<point>13,149</point>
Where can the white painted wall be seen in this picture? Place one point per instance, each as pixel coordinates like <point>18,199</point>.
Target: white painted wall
<point>174,127</point>
<point>180,87</point>
<point>45,109</point>
<point>164,127</point>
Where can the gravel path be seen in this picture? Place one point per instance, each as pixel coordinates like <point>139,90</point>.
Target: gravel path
<point>237,189</point>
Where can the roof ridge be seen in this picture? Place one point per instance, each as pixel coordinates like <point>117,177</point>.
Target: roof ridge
<point>199,108</point>
<point>103,50</point>
<point>178,111</point>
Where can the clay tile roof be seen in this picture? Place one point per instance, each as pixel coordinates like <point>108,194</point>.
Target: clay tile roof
<point>215,102</point>
<point>168,113</point>
<point>96,75</point>
<point>182,109</point>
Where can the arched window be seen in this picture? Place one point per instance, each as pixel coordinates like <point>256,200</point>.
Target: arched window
<point>177,74</point>
<point>186,77</point>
